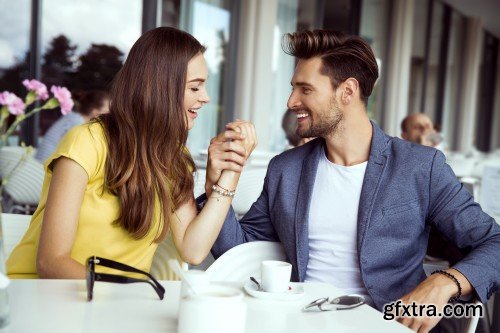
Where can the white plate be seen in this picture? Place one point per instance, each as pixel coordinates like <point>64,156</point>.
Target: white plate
<point>296,292</point>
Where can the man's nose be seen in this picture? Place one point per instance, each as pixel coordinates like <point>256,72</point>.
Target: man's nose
<point>293,101</point>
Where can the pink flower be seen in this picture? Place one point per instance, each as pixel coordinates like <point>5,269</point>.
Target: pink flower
<point>38,87</point>
<point>14,104</point>
<point>64,97</point>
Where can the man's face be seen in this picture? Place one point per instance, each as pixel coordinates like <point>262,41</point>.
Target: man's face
<point>417,126</point>
<point>313,100</point>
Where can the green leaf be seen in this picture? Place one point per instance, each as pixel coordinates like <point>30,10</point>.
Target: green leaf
<point>51,103</point>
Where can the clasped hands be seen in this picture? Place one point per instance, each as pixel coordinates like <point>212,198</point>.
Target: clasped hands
<point>229,151</point>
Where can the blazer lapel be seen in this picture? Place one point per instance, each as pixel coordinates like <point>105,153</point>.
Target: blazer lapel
<point>305,189</point>
<point>371,183</point>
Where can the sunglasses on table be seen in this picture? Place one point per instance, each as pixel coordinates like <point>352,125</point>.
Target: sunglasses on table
<point>93,276</point>
<point>338,303</point>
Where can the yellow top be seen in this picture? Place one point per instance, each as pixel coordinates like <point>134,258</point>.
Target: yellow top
<point>96,234</point>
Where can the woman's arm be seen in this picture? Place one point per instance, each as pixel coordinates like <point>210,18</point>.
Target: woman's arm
<point>193,234</point>
<point>60,222</point>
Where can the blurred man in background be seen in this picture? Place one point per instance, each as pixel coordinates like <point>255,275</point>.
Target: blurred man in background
<point>418,128</point>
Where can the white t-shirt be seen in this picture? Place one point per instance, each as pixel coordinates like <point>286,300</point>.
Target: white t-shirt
<point>333,227</point>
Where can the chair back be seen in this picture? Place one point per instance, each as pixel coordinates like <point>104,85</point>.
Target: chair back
<point>462,166</point>
<point>14,227</point>
<point>159,268</point>
<point>248,190</point>
<point>25,175</point>
<point>199,182</point>
<point>243,261</point>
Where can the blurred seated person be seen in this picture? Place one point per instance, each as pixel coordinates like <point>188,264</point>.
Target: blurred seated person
<point>90,104</point>
<point>418,128</point>
<point>289,125</point>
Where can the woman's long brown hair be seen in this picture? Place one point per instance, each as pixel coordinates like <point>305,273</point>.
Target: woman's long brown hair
<point>146,131</point>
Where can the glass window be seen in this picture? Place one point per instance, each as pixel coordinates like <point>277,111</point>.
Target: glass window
<point>374,29</point>
<point>453,76</point>
<point>282,67</point>
<point>14,48</point>
<point>84,43</point>
<point>170,13</point>
<point>425,59</point>
<point>208,21</point>
<point>14,44</point>
<point>486,93</point>
<point>431,88</point>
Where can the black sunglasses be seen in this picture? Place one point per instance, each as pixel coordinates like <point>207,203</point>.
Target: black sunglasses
<point>92,276</point>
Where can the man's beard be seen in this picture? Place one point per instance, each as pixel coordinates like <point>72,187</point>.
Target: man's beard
<point>326,125</point>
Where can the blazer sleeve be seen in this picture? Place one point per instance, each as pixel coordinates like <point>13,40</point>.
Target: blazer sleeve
<point>254,226</point>
<point>455,214</point>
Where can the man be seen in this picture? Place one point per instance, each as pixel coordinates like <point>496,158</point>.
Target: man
<point>418,128</point>
<point>354,206</point>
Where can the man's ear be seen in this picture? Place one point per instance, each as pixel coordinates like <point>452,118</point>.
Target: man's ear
<point>350,88</point>
<point>404,136</point>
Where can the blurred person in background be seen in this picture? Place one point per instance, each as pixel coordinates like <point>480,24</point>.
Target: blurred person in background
<point>289,125</point>
<point>90,104</point>
<point>418,128</point>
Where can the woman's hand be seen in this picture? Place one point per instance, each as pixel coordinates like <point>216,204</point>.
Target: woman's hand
<point>229,151</point>
<point>249,142</point>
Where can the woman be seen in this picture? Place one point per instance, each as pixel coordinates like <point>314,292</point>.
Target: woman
<point>115,187</point>
<point>91,104</point>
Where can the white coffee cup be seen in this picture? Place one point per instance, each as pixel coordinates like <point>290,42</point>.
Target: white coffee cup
<point>197,279</point>
<point>275,276</point>
<point>216,309</point>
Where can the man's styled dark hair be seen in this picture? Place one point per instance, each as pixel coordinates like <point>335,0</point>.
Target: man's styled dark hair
<point>343,56</point>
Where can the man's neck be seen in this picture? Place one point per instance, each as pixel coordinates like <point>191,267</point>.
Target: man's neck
<point>350,144</point>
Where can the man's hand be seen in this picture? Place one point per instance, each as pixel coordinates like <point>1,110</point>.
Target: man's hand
<point>437,289</point>
<point>229,151</point>
<point>426,138</point>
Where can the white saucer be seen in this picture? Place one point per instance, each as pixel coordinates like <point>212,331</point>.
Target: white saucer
<point>296,292</point>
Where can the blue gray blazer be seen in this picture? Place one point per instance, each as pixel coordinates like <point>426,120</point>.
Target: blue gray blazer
<point>406,189</point>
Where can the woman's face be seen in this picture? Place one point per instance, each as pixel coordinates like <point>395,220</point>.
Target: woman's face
<point>195,95</point>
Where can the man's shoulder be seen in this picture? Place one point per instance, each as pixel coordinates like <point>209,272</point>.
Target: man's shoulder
<point>409,151</point>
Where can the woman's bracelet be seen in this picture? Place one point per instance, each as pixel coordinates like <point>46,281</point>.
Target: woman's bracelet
<point>222,191</point>
<point>451,276</point>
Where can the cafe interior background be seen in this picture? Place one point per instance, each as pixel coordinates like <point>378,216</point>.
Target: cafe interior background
<point>439,57</point>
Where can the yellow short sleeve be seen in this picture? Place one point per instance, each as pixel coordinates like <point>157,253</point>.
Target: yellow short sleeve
<point>84,144</point>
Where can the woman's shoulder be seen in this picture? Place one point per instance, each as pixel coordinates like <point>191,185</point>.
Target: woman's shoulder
<point>83,143</point>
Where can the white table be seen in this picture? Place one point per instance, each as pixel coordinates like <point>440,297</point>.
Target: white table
<point>61,306</point>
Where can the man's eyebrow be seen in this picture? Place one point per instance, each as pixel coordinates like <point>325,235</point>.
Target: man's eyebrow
<point>301,84</point>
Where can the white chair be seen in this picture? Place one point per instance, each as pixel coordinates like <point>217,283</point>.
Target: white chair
<point>243,261</point>
<point>24,178</point>
<point>159,268</point>
<point>199,182</point>
<point>14,227</point>
<point>248,190</point>
<point>478,170</point>
<point>462,166</point>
